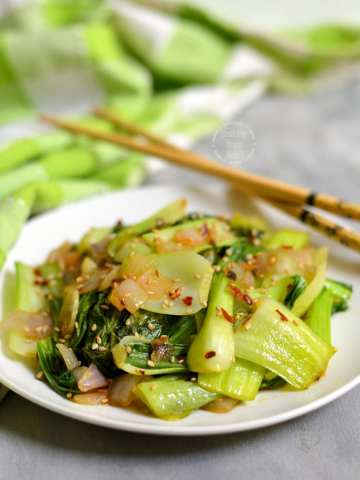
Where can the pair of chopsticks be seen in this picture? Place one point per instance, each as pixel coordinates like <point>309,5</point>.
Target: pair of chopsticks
<point>288,198</point>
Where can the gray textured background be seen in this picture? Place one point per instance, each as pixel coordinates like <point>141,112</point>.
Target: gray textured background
<point>313,141</point>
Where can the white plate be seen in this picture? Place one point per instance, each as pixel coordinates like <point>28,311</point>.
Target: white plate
<point>49,230</point>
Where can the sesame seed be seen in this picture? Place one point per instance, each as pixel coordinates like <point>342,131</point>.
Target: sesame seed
<point>57,329</point>
<point>151,326</point>
<point>128,349</point>
<point>69,395</point>
<point>39,375</point>
<point>93,327</point>
<point>94,346</point>
<point>151,363</point>
<point>197,276</point>
<point>76,324</point>
<point>102,349</point>
<point>104,401</point>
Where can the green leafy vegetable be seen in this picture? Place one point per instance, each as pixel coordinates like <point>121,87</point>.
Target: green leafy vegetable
<point>52,365</point>
<point>173,399</point>
<point>241,381</point>
<point>279,341</point>
<point>213,347</point>
<point>319,315</point>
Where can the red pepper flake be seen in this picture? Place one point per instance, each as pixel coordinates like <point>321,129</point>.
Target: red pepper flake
<point>174,294</point>
<point>282,316</point>
<point>210,354</point>
<point>227,315</point>
<point>239,295</point>
<point>287,247</point>
<point>204,230</point>
<point>187,300</point>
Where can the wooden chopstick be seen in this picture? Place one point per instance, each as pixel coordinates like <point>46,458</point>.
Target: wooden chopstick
<point>130,127</point>
<point>166,150</point>
<point>253,183</point>
<point>334,231</point>
<point>347,237</point>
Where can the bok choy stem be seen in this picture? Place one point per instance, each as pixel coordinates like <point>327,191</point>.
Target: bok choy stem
<point>213,347</point>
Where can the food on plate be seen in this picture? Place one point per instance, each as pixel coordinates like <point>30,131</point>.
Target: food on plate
<point>178,312</point>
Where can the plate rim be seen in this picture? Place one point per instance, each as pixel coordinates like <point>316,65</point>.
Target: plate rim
<point>175,429</point>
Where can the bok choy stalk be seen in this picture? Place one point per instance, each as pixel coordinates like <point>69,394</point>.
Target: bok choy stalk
<point>143,357</point>
<point>173,398</point>
<point>27,298</point>
<point>318,316</point>
<point>286,290</point>
<point>70,163</point>
<point>304,301</point>
<point>279,341</point>
<point>23,150</point>
<point>125,173</point>
<point>211,231</point>
<point>74,162</point>
<point>186,275</point>
<point>14,211</point>
<point>241,381</point>
<point>341,293</point>
<point>169,214</point>
<point>213,347</point>
<point>51,194</point>
<point>289,238</point>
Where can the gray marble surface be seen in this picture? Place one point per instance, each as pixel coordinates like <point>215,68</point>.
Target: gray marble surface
<point>313,141</point>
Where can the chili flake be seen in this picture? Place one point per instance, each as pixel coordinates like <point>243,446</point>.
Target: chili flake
<point>227,315</point>
<point>282,316</point>
<point>210,354</point>
<point>187,300</point>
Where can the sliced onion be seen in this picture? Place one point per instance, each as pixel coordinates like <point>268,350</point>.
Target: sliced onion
<point>221,405</point>
<point>91,379</point>
<point>78,372</point>
<point>155,285</point>
<point>99,397</point>
<point>69,311</point>
<point>68,356</point>
<point>189,237</point>
<point>128,294</point>
<point>121,390</point>
<point>34,326</point>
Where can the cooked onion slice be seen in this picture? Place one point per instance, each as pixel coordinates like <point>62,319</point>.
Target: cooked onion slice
<point>34,326</point>
<point>68,356</point>
<point>121,391</point>
<point>91,379</point>
<point>221,405</point>
<point>128,294</point>
<point>98,397</point>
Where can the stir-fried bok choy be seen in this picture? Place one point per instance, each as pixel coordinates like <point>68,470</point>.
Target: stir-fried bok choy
<point>177,312</point>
